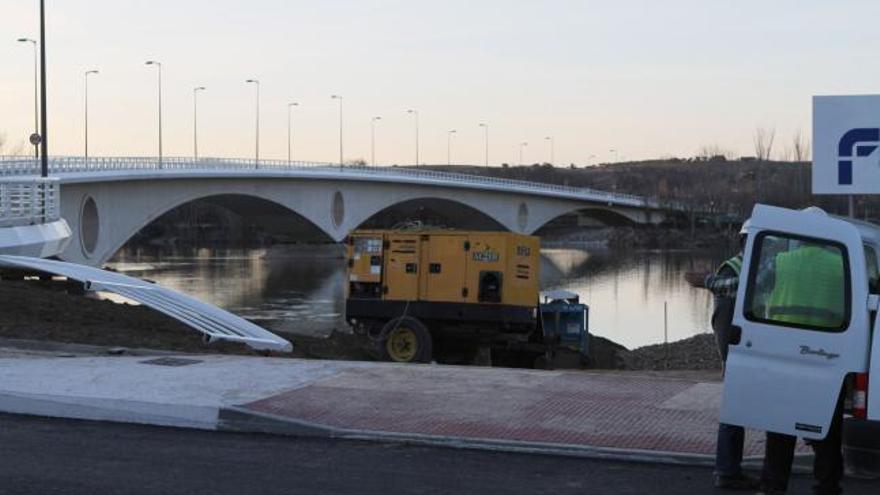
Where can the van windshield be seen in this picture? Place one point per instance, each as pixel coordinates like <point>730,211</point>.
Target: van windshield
<point>798,282</point>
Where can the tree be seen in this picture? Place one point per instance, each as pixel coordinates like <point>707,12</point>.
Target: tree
<point>709,152</point>
<point>764,143</point>
<point>800,147</point>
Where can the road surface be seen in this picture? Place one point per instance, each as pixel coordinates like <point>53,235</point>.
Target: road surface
<point>50,456</point>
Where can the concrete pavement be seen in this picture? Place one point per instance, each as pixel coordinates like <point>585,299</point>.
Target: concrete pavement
<point>560,412</point>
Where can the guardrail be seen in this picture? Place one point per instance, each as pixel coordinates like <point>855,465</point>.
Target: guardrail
<point>28,201</point>
<point>12,165</point>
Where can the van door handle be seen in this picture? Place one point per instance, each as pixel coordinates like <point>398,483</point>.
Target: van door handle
<point>735,335</point>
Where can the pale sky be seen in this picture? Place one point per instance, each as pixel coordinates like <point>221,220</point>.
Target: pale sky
<point>645,77</point>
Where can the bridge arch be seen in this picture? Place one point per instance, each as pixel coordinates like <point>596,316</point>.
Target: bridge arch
<point>432,211</point>
<point>603,215</point>
<point>122,213</point>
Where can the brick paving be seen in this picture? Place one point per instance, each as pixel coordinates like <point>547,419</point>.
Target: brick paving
<point>565,408</point>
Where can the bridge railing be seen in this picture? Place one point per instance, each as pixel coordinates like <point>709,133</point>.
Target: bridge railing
<point>28,201</point>
<point>73,164</point>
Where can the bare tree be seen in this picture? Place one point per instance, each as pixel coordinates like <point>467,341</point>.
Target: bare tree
<point>710,151</point>
<point>800,147</point>
<point>764,143</point>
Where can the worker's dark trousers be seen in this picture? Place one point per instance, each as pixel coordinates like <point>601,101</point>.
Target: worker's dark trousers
<point>729,450</point>
<point>827,467</point>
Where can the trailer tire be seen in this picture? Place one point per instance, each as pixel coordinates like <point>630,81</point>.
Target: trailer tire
<point>405,340</point>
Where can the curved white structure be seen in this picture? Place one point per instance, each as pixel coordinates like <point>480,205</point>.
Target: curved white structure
<point>214,323</point>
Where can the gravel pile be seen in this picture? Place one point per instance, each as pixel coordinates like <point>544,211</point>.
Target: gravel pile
<point>696,353</point>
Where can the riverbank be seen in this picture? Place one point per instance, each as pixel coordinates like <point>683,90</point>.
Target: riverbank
<point>49,312</point>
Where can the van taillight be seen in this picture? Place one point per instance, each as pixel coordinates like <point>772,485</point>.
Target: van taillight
<point>860,396</point>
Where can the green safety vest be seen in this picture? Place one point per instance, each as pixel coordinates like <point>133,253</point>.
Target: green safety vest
<point>809,288</point>
<point>735,264</point>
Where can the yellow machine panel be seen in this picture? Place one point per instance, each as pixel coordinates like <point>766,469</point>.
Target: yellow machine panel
<point>401,267</point>
<point>444,266</point>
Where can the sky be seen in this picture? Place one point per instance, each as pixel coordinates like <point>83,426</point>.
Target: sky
<point>646,78</point>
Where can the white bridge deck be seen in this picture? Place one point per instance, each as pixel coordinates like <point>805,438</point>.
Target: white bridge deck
<point>100,169</point>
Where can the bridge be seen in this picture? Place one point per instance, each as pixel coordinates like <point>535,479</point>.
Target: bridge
<point>107,200</point>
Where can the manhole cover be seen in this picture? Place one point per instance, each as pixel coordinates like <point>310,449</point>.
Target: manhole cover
<point>169,361</point>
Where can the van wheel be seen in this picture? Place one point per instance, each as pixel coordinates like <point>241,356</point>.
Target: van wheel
<point>405,340</point>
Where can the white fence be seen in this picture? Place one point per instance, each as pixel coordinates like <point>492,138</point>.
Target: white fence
<point>28,201</point>
<point>27,166</point>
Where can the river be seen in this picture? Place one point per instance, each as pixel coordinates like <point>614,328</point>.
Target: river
<point>300,291</point>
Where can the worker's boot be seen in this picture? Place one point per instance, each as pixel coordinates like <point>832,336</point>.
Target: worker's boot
<point>737,482</point>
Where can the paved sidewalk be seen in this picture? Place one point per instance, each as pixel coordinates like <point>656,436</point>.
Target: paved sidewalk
<point>563,412</point>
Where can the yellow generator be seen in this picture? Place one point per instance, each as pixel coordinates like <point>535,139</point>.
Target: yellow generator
<point>412,291</point>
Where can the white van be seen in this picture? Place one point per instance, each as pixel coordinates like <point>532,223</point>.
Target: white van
<point>784,373</point>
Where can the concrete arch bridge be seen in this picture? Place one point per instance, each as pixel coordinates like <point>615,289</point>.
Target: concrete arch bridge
<point>108,200</point>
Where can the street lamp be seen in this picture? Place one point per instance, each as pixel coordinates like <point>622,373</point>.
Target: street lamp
<point>550,138</point>
<point>290,130</point>
<point>36,105</point>
<point>86,77</point>
<point>159,66</point>
<point>196,121</point>
<point>257,125</point>
<point>486,133</point>
<point>373,139</point>
<point>521,146</point>
<point>339,97</point>
<point>449,146</point>
<point>416,114</point>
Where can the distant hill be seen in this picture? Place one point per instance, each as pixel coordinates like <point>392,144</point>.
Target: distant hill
<point>725,186</point>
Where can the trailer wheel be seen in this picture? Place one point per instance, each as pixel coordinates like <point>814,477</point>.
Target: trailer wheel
<point>405,340</point>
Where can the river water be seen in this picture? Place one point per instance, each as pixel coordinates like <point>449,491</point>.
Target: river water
<point>300,291</point>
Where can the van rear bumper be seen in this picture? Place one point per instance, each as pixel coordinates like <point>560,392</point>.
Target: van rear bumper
<point>861,447</point>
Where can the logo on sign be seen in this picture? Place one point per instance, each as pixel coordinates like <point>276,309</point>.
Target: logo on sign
<point>862,142</point>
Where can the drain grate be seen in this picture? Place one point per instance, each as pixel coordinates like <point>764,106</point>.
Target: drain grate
<point>170,361</point>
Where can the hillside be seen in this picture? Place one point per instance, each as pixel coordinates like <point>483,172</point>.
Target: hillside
<point>708,185</point>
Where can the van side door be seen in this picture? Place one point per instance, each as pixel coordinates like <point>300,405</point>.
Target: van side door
<point>802,319</point>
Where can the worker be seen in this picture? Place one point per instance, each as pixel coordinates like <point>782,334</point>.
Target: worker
<point>808,290</point>
<point>724,284</point>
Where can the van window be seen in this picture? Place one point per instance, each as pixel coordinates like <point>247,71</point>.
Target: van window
<point>798,282</point>
<point>873,269</point>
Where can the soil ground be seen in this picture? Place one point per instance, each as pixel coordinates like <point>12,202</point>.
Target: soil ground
<point>54,311</point>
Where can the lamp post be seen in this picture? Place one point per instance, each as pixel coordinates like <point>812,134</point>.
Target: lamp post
<point>290,130</point>
<point>373,140</point>
<point>486,145</point>
<point>36,85</point>
<point>521,146</point>
<point>339,97</point>
<point>550,139</point>
<point>86,125</point>
<point>449,146</point>
<point>256,83</point>
<point>159,66</point>
<point>416,114</point>
<point>196,121</point>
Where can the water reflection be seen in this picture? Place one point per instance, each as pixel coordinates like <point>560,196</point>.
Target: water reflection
<point>627,291</point>
<point>300,290</point>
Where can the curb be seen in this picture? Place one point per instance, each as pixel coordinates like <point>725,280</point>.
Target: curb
<point>239,419</point>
